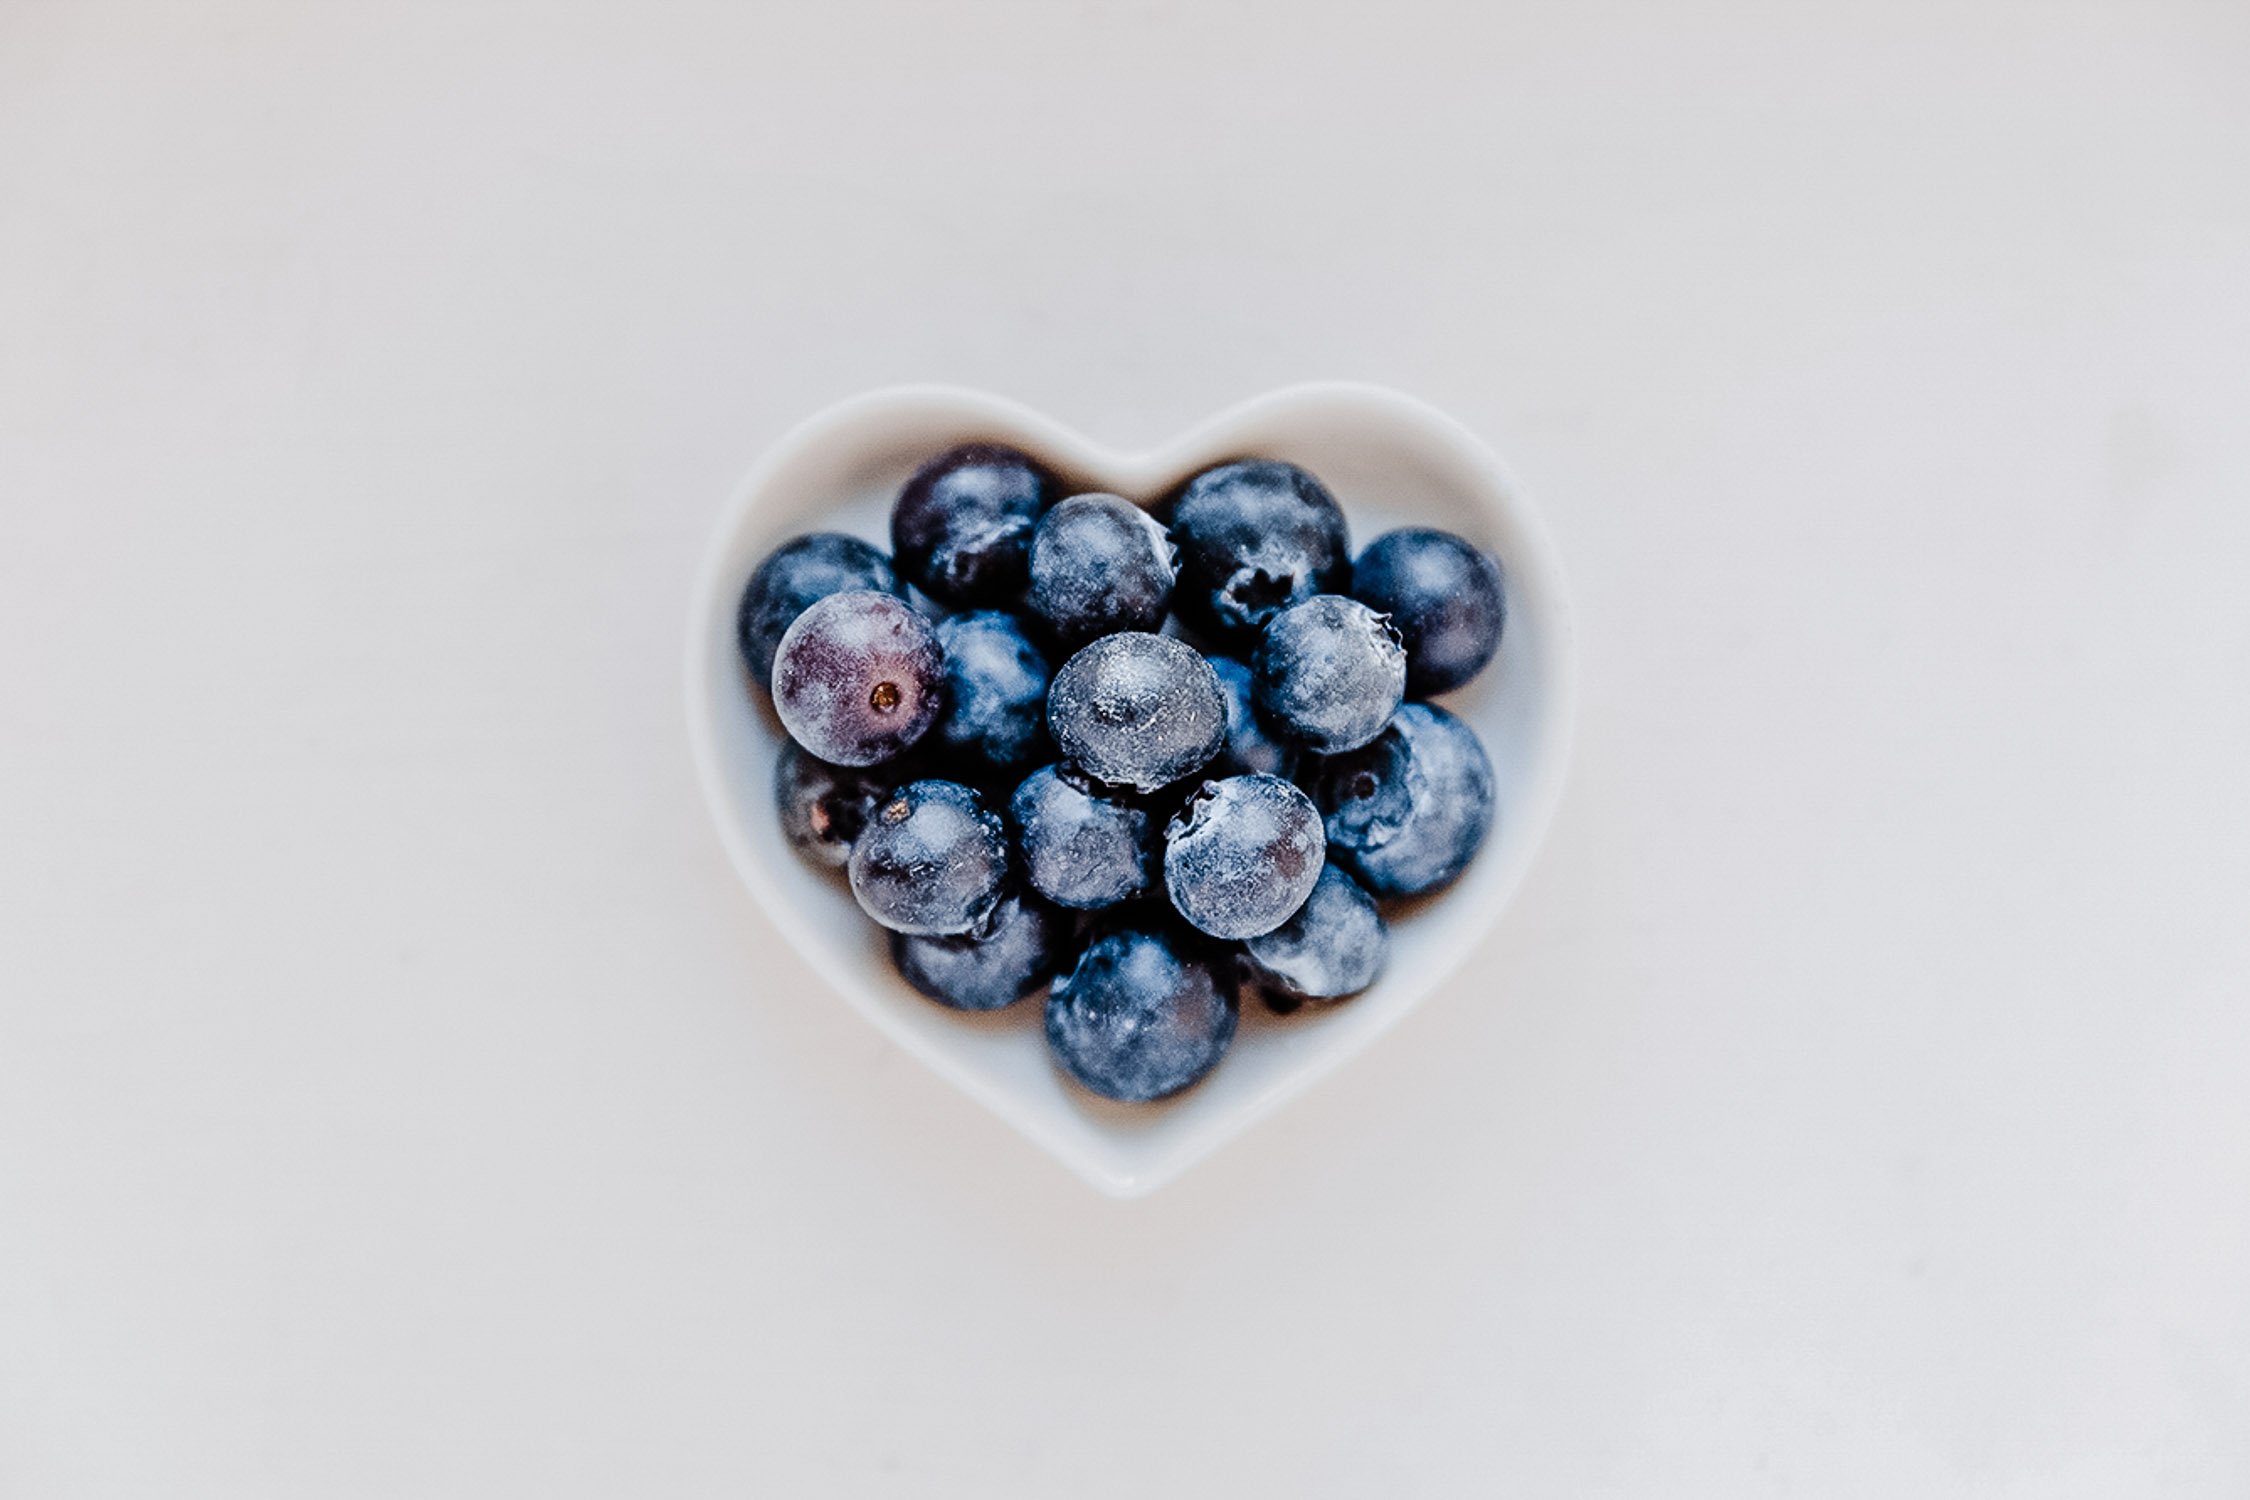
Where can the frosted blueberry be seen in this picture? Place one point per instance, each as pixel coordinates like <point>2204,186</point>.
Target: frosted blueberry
<point>1083,845</point>
<point>1017,949</point>
<point>1255,537</point>
<point>1249,747</point>
<point>994,720</point>
<point>1137,710</point>
<point>1243,856</point>
<point>797,574</point>
<point>823,807</point>
<point>1329,673</point>
<point>1445,598</point>
<point>1144,1013</point>
<point>961,528</point>
<point>1334,946</point>
<point>1100,564</point>
<point>931,862</point>
<point>1406,812</point>
<point>858,677</point>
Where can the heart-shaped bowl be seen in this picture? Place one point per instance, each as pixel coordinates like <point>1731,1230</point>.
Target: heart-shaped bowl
<point>1391,461</point>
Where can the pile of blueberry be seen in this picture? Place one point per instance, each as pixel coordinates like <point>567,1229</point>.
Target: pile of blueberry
<point>1032,784</point>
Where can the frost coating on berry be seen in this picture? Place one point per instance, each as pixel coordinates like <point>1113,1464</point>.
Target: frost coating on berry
<point>1082,846</point>
<point>858,677</point>
<point>1100,564</point>
<point>1406,812</point>
<point>1446,598</point>
<point>1334,946</point>
<point>961,528</point>
<point>1016,950</point>
<point>1243,856</point>
<point>1330,672</point>
<point>932,861</point>
<point>994,720</point>
<point>1142,1015</point>
<point>1137,710</point>
<point>1255,537</point>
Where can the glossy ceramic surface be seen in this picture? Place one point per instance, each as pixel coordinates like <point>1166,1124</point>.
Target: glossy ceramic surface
<point>1391,460</point>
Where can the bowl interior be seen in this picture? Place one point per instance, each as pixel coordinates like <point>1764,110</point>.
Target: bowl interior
<point>1391,461</point>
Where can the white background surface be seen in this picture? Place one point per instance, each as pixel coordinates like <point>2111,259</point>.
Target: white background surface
<point>399,1096</point>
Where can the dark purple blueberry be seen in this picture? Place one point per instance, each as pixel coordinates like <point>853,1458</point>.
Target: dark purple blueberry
<point>1083,845</point>
<point>1100,564</point>
<point>1406,812</point>
<point>1146,1011</point>
<point>1243,856</point>
<point>795,575</point>
<point>961,529</point>
<point>994,723</point>
<point>1334,946</point>
<point>1254,538</point>
<point>931,862</point>
<point>823,807</point>
<point>1019,947</point>
<point>1329,673</point>
<point>858,678</point>
<point>1445,597</point>
<point>1137,710</point>
<point>1249,747</point>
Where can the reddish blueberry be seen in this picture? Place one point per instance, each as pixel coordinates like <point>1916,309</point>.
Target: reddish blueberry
<point>823,807</point>
<point>859,677</point>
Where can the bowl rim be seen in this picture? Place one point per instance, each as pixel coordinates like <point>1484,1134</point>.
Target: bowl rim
<point>1532,561</point>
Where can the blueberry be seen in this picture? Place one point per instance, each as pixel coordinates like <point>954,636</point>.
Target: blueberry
<point>823,807</point>
<point>1018,948</point>
<point>1329,673</point>
<point>858,678</point>
<point>1137,710</point>
<point>1243,856</point>
<point>1249,747</point>
<point>1334,946</point>
<point>1254,538</point>
<point>1083,845</point>
<point>797,574</point>
<point>931,862</point>
<point>1445,597</point>
<point>961,529</point>
<point>994,722</point>
<point>1100,564</point>
<point>1406,812</point>
<point>1146,1011</point>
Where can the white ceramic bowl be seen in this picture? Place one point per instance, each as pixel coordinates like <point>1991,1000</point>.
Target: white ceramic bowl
<point>1391,461</point>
